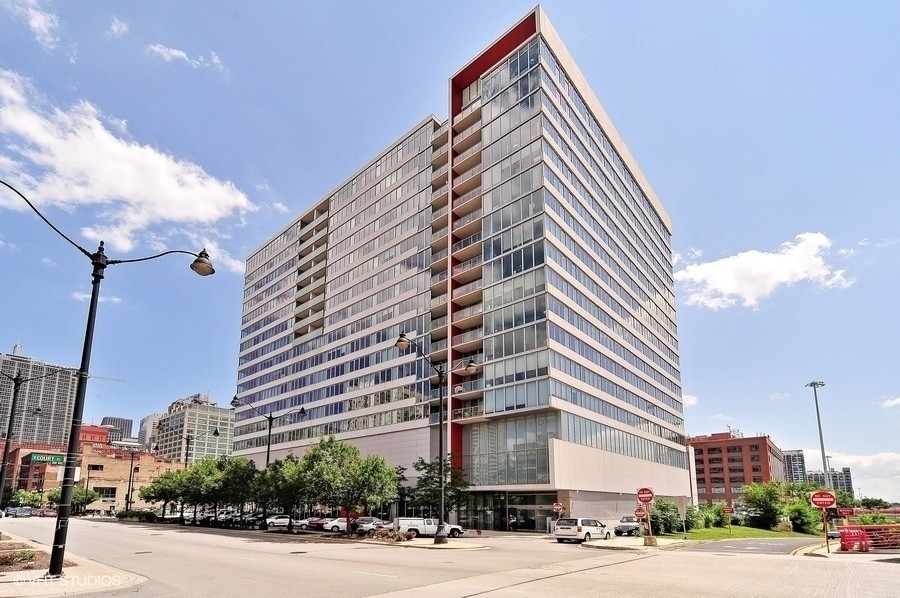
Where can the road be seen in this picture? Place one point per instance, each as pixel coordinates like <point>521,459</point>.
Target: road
<point>756,546</point>
<point>187,562</point>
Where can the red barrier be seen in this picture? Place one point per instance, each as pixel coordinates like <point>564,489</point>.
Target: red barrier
<point>864,537</point>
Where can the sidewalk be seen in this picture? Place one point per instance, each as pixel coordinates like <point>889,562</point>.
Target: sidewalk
<point>637,543</point>
<point>83,577</point>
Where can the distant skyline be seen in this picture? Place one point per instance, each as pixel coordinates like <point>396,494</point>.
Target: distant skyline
<point>766,129</point>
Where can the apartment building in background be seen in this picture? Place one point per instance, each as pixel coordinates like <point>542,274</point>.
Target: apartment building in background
<point>121,427</point>
<point>48,387</point>
<point>147,429</point>
<point>838,480</point>
<point>194,428</point>
<point>795,467</point>
<point>519,234</point>
<point>726,461</point>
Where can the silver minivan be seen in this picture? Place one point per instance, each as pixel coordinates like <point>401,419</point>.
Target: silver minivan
<point>580,529</point>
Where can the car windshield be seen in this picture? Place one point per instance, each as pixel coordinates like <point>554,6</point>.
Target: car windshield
<point>567,522</point>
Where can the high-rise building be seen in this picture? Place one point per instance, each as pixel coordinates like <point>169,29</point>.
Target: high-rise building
<point>42,385</point>
<point>121,425</point>
<point>147,430</point>
<point>726,461</point>
<point>194,428</point>
<point>795,467</point>
<point>840,480</point>
<point>520,235</point>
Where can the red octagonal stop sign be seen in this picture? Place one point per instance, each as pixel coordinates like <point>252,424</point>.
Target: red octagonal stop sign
<point>822,499</point>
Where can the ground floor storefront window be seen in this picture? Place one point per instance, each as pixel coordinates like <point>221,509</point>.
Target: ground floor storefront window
<point>508,511</point>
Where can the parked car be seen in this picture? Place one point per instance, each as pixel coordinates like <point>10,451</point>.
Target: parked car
<point>47,513</point>
<point>317,522</point>
<point>628,526</point>
<point>580,529</point>
<point>335,525</point>
<point>364,525</point>
<point>419,526</point>
<point>279,521</point>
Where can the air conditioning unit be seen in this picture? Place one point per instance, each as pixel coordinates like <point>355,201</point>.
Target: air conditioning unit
<point>459,389</point>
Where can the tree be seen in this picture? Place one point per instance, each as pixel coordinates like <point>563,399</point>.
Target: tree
<point>166,487</point>
<point>427,491</point>
<point>874,503</point>
<point>26,498</point>
<point>237,484</point>
<point>283,485</point>
<point>764,503</point>
<point>334,473</point>
<point>81,498</point>
<point>664,517</point>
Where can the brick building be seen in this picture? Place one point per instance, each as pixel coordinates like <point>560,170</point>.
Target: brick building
<point>726,461</point>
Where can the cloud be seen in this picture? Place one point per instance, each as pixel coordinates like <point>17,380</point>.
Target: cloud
<point>877,476</point>
<point>779,396</point>
<point>48,262</point>
<point>43,24</point>
<point>891,403</point>
<point>80,296</point>
<point>280,207</point>
<point>70,158</point>
<point>689,400</point>
<point>117,28</point>
<point>173,54</point>
<point>751,276</point>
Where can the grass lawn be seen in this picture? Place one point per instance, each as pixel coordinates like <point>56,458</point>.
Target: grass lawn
<point>723,533</point>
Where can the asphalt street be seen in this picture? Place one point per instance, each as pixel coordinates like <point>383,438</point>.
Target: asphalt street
<point>185,561</point>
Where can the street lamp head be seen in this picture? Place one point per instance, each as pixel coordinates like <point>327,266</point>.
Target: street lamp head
<point>216,432</point>
<point>302,412</point>
<point>202,265</point>
<point>38,412</point>
<point>471,367</point>
<point>236,402</point>
<point>402,342</point>
<point>816,384</point>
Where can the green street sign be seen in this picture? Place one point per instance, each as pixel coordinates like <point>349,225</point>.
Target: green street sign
<point>45,458</point>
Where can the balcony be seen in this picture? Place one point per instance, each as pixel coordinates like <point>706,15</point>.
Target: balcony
<point>473,414</point>
<point>467,248</point>
<point>469,316</point>
<point>439,176</point>
<point>467,180</point>
<point>439,156</point>
<point>439,213</point>
<point>440,135</point>
<point>468,115</point>
<point>467,137</point>
<point>439,193</point>
<point>468,159</point>
<point>468,270</point>
<point>468,224</point>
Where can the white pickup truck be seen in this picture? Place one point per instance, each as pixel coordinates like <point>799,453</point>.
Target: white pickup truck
<point>418,526</point>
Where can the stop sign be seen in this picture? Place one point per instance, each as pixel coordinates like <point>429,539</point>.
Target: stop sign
<point>822,499</point>
<point>557,507</point>
<point>645,495</point>
<point>640,512</point>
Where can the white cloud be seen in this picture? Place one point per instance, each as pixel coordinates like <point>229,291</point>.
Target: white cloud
<point>69,158</point>
<point>751,276</point>
<point>689,400</point>
<point>48,262</point>
<point>877,476</point>
<point>779,396</point>
<point>43,24</point>
<point>172,54</point>
<point>891,403</point>
<point>117,28</point>
<point>81,296</point>
<point>280,207</point>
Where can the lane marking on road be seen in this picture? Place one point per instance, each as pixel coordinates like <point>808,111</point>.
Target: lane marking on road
<point>374,574</point>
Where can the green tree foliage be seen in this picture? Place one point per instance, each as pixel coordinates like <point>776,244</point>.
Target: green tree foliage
<point>664,517</point>
<point>202,484</point>
<point>283,486</point>
<point>805,519</point>
<point>81,498</point>
<point>237,480</point>
<point>334,473</point>
<point>427,491</point>
<point>764,502</point>
<point>165,488</point>
<point>26,498</point>
<point>874,503</point>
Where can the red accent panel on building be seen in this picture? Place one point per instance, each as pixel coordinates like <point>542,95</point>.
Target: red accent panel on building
<point>475,69</point>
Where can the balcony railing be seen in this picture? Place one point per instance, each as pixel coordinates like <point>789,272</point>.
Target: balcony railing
<point>466,265</point>
<point>462,244</point>
<point>475,285</point>
<point>467,196</point>
<point>467,412</point>
<point>468,218</point>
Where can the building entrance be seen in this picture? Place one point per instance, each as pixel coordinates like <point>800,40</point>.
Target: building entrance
<point>508,511</point>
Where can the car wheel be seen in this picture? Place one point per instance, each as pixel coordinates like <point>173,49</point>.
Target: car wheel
<point>413,533</point>
<point>454,533</point>
<point>335,528</point>
<point>303,526</point>
<point>371,533</point>
<point>560,540</point>
<point>607,535</point>
<point>618,532</point>
<point>587,538</point>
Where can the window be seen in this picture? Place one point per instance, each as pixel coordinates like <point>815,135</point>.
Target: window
<point>735,459</point>
<point>701,470</point>
<point>754,448</point>
<point>757,479</point>
<point>735,449</point>
<point>736,479</point>
<point>95,467</point>
<point>715,450</point>
<point>698,451</point>
<point>105,493</point>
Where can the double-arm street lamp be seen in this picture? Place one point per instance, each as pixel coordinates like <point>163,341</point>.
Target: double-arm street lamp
<point>270,419</point>
<point>816,385</point>
<point>403,343</point>
<point>17,381</point>
<point>99,262</point>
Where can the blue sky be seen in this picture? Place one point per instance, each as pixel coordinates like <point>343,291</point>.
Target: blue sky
<point>768,129</point>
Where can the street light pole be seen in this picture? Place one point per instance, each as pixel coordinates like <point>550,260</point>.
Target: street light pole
<point>201,265</point>
<point>440,536</point>
<point>817,384</point>
<point>270,419</point>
